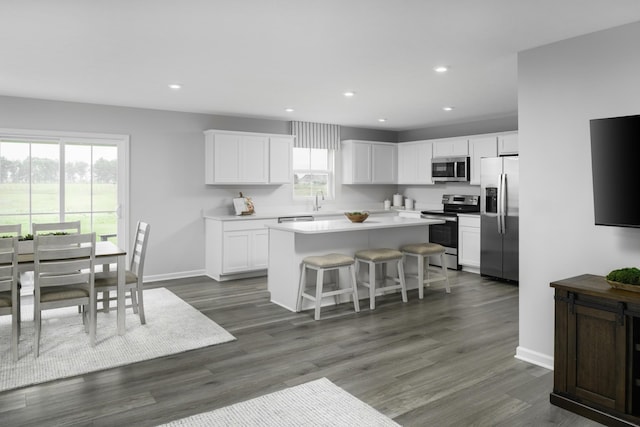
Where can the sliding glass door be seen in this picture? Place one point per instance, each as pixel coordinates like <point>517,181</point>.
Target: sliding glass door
<point>50,178</point>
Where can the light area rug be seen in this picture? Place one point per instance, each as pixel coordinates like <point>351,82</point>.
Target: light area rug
<point>316,403</point>
<point>172,326</point>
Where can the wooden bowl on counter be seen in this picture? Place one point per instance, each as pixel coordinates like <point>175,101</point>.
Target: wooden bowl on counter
<point>357,216</point>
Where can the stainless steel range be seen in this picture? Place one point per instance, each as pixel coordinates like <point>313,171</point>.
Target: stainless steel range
<point>447,234</point>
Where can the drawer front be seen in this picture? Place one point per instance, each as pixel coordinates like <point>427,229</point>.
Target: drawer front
<point>252,224</point>
<point>469,221</point>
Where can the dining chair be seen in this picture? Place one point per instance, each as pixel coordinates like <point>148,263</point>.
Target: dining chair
<point>107,282</point>
<point>9,286</point>
<point>70,227</point>
<point>64,274</point>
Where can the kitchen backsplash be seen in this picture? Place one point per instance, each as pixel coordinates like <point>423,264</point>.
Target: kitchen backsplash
<point>268,199</point>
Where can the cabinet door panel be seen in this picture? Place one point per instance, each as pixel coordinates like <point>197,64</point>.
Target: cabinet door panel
<point>596,357</point>
<point>425,154</point>
<point>384,164</point>
<point>260,247</point>
<point>407,163</point>
<point>460,148</point>
<point>448,148</point>
<point>280,151</point>
<point>508,144</point>
<point>469,246</point>
<point>414,163</point>
<point>361,163</point>
<point>480,148</point>
<point>227,158</point>
<point>254,159</point>
<point>236,251</point>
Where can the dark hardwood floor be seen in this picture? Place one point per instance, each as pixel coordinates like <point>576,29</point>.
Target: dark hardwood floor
<point>446,360</point>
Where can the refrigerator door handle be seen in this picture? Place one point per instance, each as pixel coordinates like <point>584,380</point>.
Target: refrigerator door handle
<point>503,202</point>
<point>499,204</point>
<point>498,219</point>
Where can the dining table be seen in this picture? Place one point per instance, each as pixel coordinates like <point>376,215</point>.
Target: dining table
<point>107,253</point>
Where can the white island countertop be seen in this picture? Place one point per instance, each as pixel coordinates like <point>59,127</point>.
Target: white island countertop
<point>291,242</point>
<point>342,225</point>
<point>318,215</point>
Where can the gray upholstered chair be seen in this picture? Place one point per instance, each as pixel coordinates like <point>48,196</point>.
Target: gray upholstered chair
<point>9,286</point>
<point>64,269</point>
<point>108,281</point>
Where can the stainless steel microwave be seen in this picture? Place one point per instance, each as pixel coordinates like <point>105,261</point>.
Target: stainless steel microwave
<point>450,169</point>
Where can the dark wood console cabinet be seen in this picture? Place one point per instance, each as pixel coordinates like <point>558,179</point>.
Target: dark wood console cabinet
<point>597,350</point>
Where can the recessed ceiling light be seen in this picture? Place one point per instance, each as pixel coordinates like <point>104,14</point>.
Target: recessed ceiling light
<point>381,120</point>
<point>289,110</point>
<point>441,69</point>
<point>175,86</point>
<point>447,108</point>
<point>349,94</point>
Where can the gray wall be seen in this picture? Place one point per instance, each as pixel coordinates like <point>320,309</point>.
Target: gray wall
<point>167,169</point>
<point>561,87</point>
<point>477,127</point>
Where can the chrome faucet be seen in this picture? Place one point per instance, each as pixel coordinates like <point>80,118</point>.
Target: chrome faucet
<point>316,206</point>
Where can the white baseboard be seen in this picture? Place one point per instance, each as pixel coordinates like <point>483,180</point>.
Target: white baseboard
<point>534,357</point>
<point>246,275</point>
<point>169,276</point>
<point>471,269</point>
<point>282,305</point>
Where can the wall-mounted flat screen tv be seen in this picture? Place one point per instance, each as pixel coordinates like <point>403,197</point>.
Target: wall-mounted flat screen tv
<point>615,161</point>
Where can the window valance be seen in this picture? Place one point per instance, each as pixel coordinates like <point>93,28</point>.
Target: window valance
<point>316,135</point>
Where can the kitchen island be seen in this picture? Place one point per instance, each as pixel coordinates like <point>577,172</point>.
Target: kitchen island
<point>290,243</point>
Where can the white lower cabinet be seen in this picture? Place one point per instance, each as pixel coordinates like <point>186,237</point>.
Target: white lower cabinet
<point>469,242</point>
<point>237,248</point>
<point>259,245</point>
<point>245,250</point>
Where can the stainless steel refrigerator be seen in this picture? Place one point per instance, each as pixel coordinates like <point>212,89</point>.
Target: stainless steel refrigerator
<point>499,214</point>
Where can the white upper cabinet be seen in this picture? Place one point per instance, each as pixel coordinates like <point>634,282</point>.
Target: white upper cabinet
<point>247,158</point>
<point>360,164</point>
<point>414,162</point>
<point>479,147</point>
<point>253,159</point>
<point>508,144</point>
<point>450,147</point>
<point>280,162</point>
<point>384,161</point>
<point>222,154</point>
<point>367,162</point>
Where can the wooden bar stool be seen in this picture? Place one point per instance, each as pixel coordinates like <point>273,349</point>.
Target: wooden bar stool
<point>422,252</point>
<point>322,263</point>
<point>375,257</point>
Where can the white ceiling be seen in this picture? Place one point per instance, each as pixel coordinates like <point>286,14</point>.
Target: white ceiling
<point>256,57</point>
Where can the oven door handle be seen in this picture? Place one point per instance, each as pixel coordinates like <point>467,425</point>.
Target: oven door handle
<point>444,218</point>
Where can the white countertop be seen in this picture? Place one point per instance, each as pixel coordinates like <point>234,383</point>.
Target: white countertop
<point>342,225</point>
<point>316,214</point>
